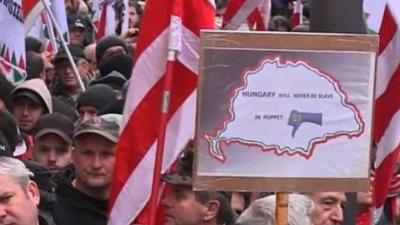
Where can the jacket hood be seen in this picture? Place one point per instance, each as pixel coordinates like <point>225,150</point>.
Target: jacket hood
<point>39,87</point>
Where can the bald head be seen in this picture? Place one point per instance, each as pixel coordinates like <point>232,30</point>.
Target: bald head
<point>90,52</point>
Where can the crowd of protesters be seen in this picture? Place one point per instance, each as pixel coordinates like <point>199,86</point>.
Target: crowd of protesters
<point>57,142</point>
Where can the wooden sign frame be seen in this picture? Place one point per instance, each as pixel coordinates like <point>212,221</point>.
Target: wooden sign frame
<point>265,41</point>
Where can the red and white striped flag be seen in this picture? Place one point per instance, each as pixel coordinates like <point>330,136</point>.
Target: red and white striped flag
<point>106,22</point>
<point>387,111</point>
<point>161,30</point>
<point>254,13</point>
<point>297,17</point>
<point>125,16</point>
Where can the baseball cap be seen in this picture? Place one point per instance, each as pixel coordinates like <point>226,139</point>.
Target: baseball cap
<point>76,52</point>
<point>35,88</point>
<point>55,123</point>
<point>75,21</point>
<point>106,126</point>
<point>29,95</point>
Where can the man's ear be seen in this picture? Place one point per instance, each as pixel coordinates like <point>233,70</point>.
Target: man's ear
<point>212,210</point>
<point>33,192</point>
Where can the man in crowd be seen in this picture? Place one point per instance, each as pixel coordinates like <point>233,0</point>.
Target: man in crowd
<point>32,99</point>
<point>68,87</point>
<point>83,190</point>
<point>262,211</point>
<point>329,208</point>
<point>34,66</point>
<point>96,100</point>
<point>53,141</point>
<point>109,46</point>
<point>19,195</point>
<point>76,29</point>
<point>187,207</point>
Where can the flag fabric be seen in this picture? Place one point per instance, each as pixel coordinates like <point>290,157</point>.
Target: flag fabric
<point>60,14</point>
<point>161,30</point>
<point>297,17</point>
<point>106,21</point>
<point>31,11</point>
<point>12,41</point>
<point>125,16</point>
<point>43,31</point>
<point>387,111</point>
<point>96,11</point>
<point>254,13</point>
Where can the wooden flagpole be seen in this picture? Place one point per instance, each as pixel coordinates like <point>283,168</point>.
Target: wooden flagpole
<point>282,208</point>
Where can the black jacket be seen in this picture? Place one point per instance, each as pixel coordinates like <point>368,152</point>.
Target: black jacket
<point>75,208</point>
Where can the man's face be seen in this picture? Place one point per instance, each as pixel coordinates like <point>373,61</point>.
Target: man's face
<point>328,208</point>
<point>182,208</point>
<point>86,113</point>
<point>27,113</point>
<point>94,158</point>
<point>76,35</point>
<point>52,151</point>
<point>66,74</point>
<point>18,205</point>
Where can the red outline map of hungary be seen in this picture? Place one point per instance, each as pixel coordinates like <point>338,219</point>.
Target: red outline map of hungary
<point>285,107</point>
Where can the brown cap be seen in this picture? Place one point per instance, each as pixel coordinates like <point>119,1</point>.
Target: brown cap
<point>55,123</point>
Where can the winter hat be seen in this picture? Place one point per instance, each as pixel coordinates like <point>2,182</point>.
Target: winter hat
<point>106,43</point>
<point>99,96</point>
<point>121,63</point>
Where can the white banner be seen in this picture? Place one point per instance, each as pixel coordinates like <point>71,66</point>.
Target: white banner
<point>12,41</point>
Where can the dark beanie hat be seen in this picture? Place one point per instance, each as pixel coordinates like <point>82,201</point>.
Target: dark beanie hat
<point>121,63</point>
<point>33,44</point>
<point>99,96</point>
<point>106,43</point>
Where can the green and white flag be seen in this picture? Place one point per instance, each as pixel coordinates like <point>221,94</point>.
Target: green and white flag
<point>12,41</point>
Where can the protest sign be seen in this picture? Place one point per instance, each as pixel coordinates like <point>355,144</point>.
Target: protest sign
<point>285,112</point>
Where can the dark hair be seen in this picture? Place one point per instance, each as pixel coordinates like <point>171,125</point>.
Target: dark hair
<point>5,92</point>
<point>220,4</point>
<point>138,7</point>
<point>34,65</point>
<point>225,213</point>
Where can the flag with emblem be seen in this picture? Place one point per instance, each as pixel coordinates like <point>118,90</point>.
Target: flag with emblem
<point>12,41</point>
